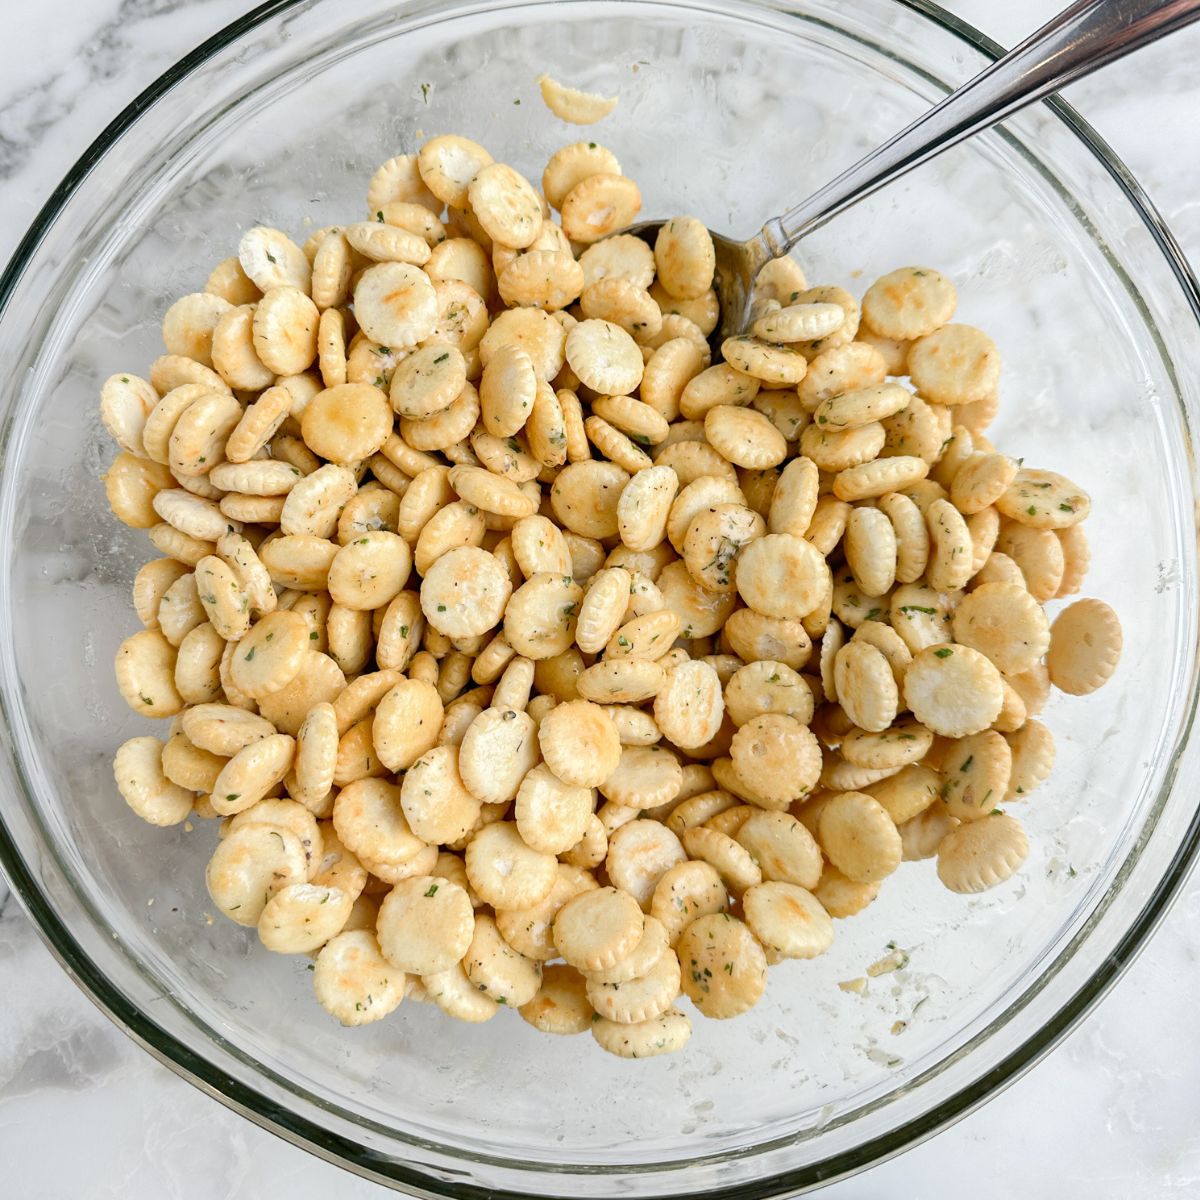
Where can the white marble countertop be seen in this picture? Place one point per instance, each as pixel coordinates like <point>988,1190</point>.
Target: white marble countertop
<point>1112,1113</point>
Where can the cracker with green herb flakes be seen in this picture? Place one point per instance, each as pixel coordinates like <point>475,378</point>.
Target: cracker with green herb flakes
<point>252,772</point>
<point>302,917</point>
<point>436,803</point>
<point>354,982</point>
<point>799,322</point>
<point>724,970</point>
<point>953,690</point>
<point>767,686</point>
<point>249,866</point>
<point>271,259</point>
<point>1043,500</point>
<point>898,745</point>
<point>782,847</point>
<point>698,809</point>
<point>198,665</point>
<point>975,771</point>
<point>1004,622</point>
<point>145,671</point>
<point>663,1034</point>
<point>1033,754</point>
<point>640,998</point>
<point>685,258</point>
<point>920,616</point>
<point>497,970</point>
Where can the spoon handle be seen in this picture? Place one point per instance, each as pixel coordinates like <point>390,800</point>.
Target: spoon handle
<point>1086,35</point>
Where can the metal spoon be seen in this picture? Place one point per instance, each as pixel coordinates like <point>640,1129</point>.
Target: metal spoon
<point>1087,35</point>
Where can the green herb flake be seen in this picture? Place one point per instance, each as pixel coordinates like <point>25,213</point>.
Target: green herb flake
<point>425,92</point>
<point>431,890</point>
<point>1032,510</point>
<point>944,652</point>
<point>314,636</point>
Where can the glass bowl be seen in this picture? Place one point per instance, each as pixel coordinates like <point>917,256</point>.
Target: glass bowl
<point>728,110</point>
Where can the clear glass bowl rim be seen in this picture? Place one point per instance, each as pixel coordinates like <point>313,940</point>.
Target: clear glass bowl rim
<point>342,1151</point>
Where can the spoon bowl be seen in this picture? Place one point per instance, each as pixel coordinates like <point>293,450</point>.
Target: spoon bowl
<point>738,265</point>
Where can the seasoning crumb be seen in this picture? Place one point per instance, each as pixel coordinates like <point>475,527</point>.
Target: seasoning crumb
<point>895,960</point>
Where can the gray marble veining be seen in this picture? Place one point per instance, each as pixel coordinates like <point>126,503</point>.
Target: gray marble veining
<point>1110,1114</point>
